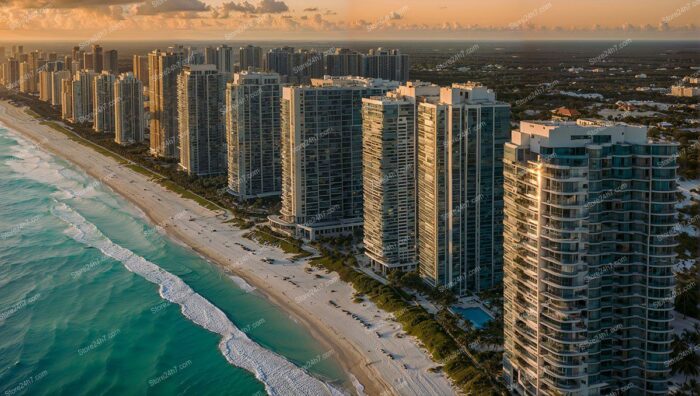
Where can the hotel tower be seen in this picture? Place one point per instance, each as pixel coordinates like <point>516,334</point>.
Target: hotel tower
<point>588,286</point>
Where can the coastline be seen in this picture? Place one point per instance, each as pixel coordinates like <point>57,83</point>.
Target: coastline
<point>289,285</point>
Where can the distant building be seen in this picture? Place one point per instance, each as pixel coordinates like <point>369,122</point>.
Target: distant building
<point>460,188</point>
<point>322,156</point>
<point>45,86</point>
<point>201,121</point>
<point>389,176</point>
<point>13,73</point>
<point>163,71</point>
<point>387,64</point>
<point>103,103</point>
<point>140,68</point>
<point>253,134</point>
<point>224,60</point>
<point>88,61</point>
<point>67,99</point>
<point>589,256</point>
<point>26,79</point>
<point>250,57</point>
<point>82,96</point>
<point>97,58</point>
<point>683,91</point>
<point>279,60</point>
<point>111,61</point>
<point>57,79</point>
<point>566,113</point>
<point>345,62</point>
<point>129,117</point>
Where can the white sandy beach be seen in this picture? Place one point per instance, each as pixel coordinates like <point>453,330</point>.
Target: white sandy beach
<point>303,294</point>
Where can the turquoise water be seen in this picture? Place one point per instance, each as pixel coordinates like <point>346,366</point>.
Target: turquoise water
<point>75,321</point>
<point>476,315</point>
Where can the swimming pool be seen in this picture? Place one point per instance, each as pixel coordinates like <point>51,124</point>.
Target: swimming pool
<point>476,315</point>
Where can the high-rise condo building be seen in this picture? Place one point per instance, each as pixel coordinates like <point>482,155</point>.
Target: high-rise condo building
<point>129,117</point>
<point>57,78</point>
<point>322,156</point>
<point>36,64</point>
<point>25,78</point>
<point>306,65</point>
<point>67,99</point>
<point>250,57</point>
<point>589,254</point>
<point>97,58</point>
<point>387,64</point>
<point>253,134</point>
<point>13,73</point>
<point>88,61</point>
<point>111,61</point>
<point>140,68</point>
<point>103,103</point>
<point>45,85</point>
<point>345,62</point>
<point>210,56</point>
<point>389,170</point>
<point>224,60</point>
<point>460,188</point>
<point>163,71</point>
<point>83,90</point>
<point>201,121</point>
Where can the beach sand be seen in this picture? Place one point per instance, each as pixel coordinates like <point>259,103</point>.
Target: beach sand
<point>305,295</point>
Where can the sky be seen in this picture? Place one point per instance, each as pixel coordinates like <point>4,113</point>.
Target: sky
<point>366,20</point>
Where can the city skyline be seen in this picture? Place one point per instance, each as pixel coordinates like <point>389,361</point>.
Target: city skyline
<point>323,216</point>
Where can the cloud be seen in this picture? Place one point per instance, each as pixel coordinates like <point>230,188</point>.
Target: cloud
<point>155,7</point>
<point>395,16</point>
<point>263,7</point>
<point>65,4</point>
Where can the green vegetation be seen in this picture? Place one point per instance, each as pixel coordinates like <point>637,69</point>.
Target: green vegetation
<point>454,359</point>
<point>688,291</point>
<point>266,236</point>
<point>32,113</point>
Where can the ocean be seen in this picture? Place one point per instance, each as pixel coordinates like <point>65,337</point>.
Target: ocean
<point>95,301</point>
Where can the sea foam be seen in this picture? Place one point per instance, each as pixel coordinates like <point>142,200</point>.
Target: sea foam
<point>279,376</point>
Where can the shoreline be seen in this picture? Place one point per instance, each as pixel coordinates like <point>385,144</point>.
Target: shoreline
<point>218,243</point>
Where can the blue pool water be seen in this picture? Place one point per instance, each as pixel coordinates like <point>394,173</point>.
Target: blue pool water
<point>476,315</point>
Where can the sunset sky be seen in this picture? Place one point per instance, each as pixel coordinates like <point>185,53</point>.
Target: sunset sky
<point>347,19</point>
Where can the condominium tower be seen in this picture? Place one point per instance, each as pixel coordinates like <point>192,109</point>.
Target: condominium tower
<point>140,68</point>
<point>389,64</point>
<point>322,156</point>
<point>253,134</point>
<point>460,188</point>
<point>201,121</point>
<point>250,57</point>
<point>163,71</point>
<point>57,79</point>
<point>103,103</point>
<point>82,91</point>
<point>589,252</point>
<point>129,117</point>
<point>388,171</point>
